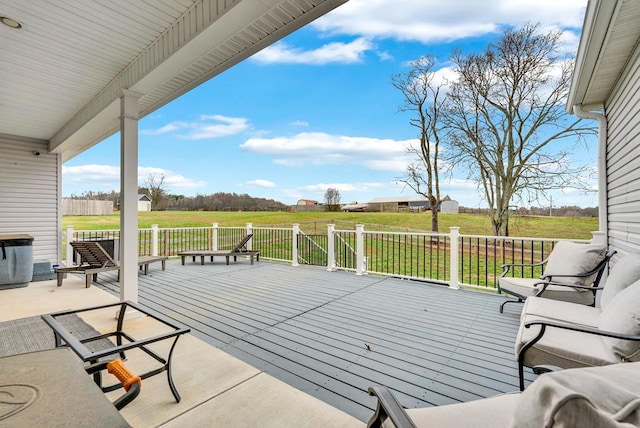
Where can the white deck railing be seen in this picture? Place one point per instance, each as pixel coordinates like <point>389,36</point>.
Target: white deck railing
<point>449,258</point>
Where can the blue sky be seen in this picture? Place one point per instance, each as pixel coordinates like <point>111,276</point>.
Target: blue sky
<point>317,110</point>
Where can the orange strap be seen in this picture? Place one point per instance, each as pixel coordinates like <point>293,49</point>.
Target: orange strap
<point>124,375</point>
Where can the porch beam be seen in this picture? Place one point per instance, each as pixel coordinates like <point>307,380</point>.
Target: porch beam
<point>129,196</point>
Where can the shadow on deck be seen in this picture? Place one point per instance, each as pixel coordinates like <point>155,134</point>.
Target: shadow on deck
<point>334,334</point>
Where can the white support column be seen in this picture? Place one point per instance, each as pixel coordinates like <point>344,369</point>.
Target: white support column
<point>129,196</point>
<point>294,244</point>
<point>215,237</point>
<point>360,262</point>
<point>331,249</point>
<point>454,238</point>
<point>69,247</point>
<point>154,239</point>
<point>250,231</point>
<point>599,238</point>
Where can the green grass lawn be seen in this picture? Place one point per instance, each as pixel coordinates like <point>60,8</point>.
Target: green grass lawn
<point>470,224</point>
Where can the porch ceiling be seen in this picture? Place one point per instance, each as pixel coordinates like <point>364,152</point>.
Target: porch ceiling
<point>609,39</point>
<point>62,74</point>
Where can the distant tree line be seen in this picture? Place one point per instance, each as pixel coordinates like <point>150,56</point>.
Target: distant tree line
<point>214,202</point>
<point>222,202</point>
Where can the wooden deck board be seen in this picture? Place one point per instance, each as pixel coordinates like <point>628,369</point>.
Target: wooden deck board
<point>311,328</point>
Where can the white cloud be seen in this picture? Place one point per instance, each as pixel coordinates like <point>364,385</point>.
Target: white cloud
<point>173,180</point>
<point>208,126</point>
<point>317,148</point>
<point>343,187</point>
<point>92,176</point>
<point>299,123</point>
<point>331,53</point>
<point>107,177</point>
<point>425,21</point>
<point>429,21</point>
<point>261,183</point>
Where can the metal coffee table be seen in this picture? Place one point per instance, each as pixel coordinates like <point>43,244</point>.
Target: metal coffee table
<point>123,341</point>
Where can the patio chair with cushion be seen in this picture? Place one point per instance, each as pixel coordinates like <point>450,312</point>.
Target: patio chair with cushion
<point>587,398</point>
<point>571,273</point>
<point>94,259</point>
<point>572,335</point>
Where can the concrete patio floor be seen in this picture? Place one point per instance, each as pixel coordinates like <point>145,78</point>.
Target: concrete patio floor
<point>217,389</point>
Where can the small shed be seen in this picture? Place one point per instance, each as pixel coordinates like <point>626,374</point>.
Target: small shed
<point>307,202</point>
<point>449,207</point>
<point>144,203</point>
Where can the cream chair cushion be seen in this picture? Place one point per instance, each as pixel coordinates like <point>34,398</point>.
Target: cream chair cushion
<point>602,397</point>
<point>622,315</point>
<point>526,287</point>
<point>572,257</point>
<point>564,312</point>
<point>562,348</point>
<point>625,272</point>
<point>490,412</point>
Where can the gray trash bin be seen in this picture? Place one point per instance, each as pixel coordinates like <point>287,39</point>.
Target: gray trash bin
<point>16,260</point>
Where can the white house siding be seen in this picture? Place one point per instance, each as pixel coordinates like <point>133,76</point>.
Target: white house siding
<point>144,206</point>
<point>29,194</point>
<point>623,160</point>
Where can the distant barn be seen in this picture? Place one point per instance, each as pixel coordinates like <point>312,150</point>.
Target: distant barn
<point>307,202</point>
<point>398,204</point>
<point>416,203</point>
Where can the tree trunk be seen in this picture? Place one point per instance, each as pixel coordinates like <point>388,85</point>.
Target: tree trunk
<point>434,219</point>
<point>500,222</point>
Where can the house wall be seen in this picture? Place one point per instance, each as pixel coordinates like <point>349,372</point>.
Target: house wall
<point>623,161</point>
<point>30,194</point>
<point>144,206</point>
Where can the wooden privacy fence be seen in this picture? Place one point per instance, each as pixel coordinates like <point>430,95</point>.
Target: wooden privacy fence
<point>449,258</point>
<point>86,207</point>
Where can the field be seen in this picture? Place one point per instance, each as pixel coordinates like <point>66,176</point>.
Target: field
<point>470,224</point>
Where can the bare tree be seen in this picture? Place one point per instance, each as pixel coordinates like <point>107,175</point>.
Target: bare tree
<point>332,199</point>
<point>157,192</point>
<point>423,97</point>
<point>507,117</point>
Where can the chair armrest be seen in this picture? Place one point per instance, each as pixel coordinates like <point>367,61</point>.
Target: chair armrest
<point>546,284</point>
<point>129,381</point>
<point>545,368</point>
<point>388,407</point>
<point>507,266</point>
<point>573,327</point>
<point>583,329</point>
